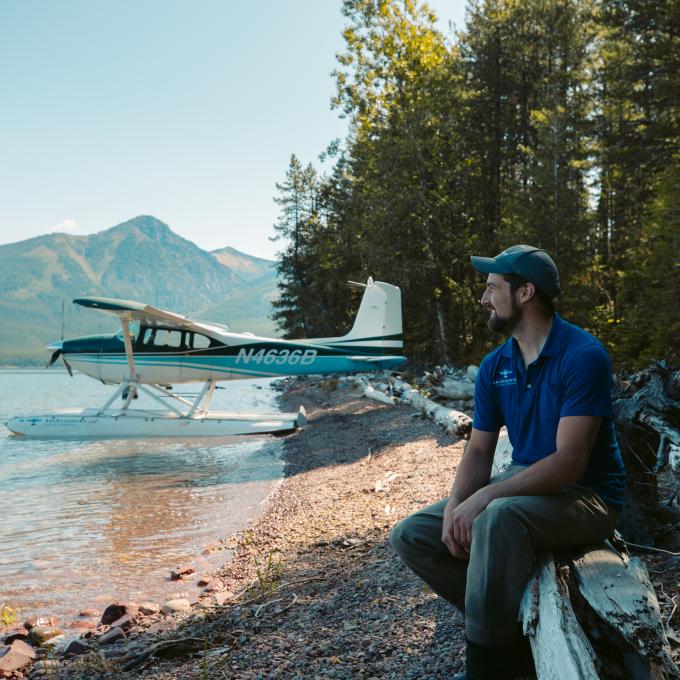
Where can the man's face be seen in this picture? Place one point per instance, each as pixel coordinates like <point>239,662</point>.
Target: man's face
<point>497,298</point>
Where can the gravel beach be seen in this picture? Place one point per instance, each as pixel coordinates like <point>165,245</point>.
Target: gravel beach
<point>313,589</point>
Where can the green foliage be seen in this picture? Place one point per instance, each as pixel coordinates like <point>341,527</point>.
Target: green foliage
<point>551,122</point>
<point>8,616</point>
<point>268,572</point>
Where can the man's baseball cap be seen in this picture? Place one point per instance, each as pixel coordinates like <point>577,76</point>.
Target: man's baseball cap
<point>531,263</point>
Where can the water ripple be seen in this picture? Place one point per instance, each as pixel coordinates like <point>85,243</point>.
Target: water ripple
<point>82,521</point>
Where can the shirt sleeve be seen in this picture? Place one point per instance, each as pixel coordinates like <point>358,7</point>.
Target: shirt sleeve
<point>586,384</point>
<point>487,416</point>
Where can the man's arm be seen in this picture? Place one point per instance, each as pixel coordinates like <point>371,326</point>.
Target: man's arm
<point>575,438</point>
<point>472,474</point>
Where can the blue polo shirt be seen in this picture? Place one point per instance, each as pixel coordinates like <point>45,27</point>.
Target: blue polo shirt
<point>570,377</point>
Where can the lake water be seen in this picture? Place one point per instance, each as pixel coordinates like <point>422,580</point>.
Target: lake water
<point>86,522</point>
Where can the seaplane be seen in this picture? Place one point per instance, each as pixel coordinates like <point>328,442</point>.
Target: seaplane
<point>155,349</point>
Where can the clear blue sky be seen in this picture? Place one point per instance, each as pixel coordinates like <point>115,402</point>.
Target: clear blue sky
<point>188,111</point>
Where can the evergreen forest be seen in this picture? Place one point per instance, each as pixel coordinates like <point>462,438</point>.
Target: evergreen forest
<point>549,122</point>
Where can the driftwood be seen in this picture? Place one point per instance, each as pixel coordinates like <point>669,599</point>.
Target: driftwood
<point>618,591</point>
<point>456,389</point>
<point>647,412</point>
<point>561,649</point>
<point>649,402</point>
<point>592,614</point>
<point>454,421</point>
<point>387,389</point>
<point>371,392</point>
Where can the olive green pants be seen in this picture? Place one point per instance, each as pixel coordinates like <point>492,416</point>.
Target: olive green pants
<point>506,537</point>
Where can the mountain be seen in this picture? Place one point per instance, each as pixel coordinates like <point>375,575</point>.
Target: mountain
<point>248,267</point>
<point>143,260</point>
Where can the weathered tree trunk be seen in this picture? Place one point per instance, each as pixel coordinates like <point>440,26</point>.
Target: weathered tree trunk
<point>454,421</point>
<point>592,613</point>
<point>647,412</point>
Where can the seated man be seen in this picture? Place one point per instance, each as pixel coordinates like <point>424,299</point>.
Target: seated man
<point>549,384</point>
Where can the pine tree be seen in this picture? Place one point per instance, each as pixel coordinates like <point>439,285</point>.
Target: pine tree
<point>298,198</point>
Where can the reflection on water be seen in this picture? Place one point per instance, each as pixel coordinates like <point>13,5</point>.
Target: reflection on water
<point>85,521</point>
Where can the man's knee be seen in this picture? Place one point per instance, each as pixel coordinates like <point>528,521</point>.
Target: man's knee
<point>401,535</point>
<point>419,532</point>
<point>500,513</point>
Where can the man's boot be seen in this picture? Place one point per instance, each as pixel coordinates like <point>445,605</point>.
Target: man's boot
<point>507,662</point>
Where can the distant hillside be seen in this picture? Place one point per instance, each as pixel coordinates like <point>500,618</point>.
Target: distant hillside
<point>141,259</point>
<point>248,267</point>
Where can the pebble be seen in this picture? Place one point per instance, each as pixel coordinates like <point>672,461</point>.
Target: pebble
<point>125,622</point>
<point>115,610</point>
<point>15,633</point>
<point>76,647</point>
<point>174,606</point>
<point>149,608</point>
<point>180,572</point>
<point>221,598</point>
<point>12,659</point>
<point>47,664</point>
<point>23,648</point>
<point>89,613</point>
<point>112,636</point>
<point>40,635</point>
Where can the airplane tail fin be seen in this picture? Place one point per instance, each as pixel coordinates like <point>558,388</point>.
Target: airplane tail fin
<point>377,327</point>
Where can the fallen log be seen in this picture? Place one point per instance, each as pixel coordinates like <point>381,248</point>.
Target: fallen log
<point>454,421</point>
<point>617,590</point>
<point>647,413</point>
<point>561,649</point>
<point>455,389</point>
<point>371,392</point>
<point>592,613</point>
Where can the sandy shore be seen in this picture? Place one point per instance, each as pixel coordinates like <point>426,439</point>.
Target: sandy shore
<point>313,589</point>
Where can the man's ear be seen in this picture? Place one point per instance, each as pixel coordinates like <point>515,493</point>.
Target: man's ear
<point>527,292</point>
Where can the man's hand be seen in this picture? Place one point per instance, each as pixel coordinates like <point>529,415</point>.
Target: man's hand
<point>448,539</point>
<point>463,517</point>
<point>472,475</point>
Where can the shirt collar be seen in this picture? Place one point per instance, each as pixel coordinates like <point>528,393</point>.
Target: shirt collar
<point>553,344</point>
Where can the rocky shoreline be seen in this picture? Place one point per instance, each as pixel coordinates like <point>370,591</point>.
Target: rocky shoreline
<point>313,589</point>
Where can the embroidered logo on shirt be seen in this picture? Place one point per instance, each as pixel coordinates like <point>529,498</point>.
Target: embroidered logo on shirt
<point>505,377</point>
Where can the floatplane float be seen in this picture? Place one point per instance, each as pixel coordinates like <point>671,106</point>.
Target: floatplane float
<point>156,349</point>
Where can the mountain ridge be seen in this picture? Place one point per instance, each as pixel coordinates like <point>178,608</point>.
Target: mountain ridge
<point>139,259</point>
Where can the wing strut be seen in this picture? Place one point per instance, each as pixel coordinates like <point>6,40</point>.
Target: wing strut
<point>125,324</point>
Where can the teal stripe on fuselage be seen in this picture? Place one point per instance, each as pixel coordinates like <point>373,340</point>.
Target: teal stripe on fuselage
<point>252,367</point>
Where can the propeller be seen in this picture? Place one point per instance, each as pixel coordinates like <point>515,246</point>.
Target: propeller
<point>57,352</point>
<point>58,347</point>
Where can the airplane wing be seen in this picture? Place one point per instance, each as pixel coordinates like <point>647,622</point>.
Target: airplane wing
<point>136,311</point>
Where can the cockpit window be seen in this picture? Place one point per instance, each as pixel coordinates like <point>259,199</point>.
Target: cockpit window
<point>154,339</point>
<point>134,327</point>
<point>167,338</point>
<point>200,341</point>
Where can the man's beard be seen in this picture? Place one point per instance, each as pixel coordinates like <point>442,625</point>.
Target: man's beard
<point>505,324</point>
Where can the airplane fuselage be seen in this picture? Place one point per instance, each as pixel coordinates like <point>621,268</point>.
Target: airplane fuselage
<point>170,356</point>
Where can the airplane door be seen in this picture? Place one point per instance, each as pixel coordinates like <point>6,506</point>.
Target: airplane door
<point>197,364</point>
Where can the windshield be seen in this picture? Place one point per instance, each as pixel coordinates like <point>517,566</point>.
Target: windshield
<point>134,331</point>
